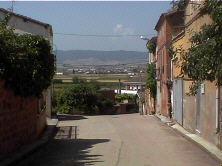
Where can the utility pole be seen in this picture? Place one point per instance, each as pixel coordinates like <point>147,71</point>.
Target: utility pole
<point>12,7</point>
<point>119,87</point>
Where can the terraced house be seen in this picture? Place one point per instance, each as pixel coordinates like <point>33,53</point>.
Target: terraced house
<point>199,114</point>
<point>168,25</point>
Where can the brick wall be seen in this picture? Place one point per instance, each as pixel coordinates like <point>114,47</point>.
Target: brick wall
<point>18,124</point>
<point>109,93</point>
<point>163,63</point>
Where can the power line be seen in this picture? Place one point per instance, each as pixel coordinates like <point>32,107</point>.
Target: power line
<point>89,35</point>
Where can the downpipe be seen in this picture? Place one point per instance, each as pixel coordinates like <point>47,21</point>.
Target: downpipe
<point>217,124</point>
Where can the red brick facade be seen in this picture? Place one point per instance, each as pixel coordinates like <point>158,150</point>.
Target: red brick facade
<point>109,93</point>
<point>166,28</point>
<point>18,120</point>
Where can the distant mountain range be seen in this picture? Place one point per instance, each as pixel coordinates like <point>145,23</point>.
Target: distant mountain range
<point>90,57</point>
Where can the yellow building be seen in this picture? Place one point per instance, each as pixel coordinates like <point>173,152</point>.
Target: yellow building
<point>198,114</point>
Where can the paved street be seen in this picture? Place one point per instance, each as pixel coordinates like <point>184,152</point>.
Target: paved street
<point>118,140</point>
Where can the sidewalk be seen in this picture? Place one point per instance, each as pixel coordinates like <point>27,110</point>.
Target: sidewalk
<point>27,150</point>
<point>212,150</point>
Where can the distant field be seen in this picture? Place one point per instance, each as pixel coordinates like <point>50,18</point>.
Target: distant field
<point>108,81</point>
<point>97,77</point>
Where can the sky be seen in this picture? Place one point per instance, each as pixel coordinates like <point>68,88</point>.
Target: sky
<point>95,25</point>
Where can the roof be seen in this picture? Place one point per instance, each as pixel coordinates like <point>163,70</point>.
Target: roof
<point>105,90</point>
<point>28,18</point>
<point>163,16</point>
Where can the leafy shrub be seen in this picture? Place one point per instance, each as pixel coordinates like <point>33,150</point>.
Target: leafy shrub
<point>81,99</point>
<point>120,97</point>
<point>62,109</point>
<point>57,81</point>
<point>26,62</point>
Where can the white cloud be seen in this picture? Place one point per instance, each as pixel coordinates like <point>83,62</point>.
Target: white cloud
<point>120,30</point>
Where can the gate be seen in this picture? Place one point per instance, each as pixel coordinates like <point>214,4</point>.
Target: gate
<point>178,100</point>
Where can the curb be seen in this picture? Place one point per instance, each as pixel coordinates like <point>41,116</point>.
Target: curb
<point>211,149</point>
<point>28,150</point>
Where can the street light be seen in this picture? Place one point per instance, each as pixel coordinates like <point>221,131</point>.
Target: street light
<point>148,40</point>
<point>143,38</point>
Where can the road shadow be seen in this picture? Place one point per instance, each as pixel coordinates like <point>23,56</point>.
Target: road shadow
<point>67,150</point>
<point>65,117</point>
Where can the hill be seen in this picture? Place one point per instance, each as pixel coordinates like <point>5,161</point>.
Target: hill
<point>90,57</point>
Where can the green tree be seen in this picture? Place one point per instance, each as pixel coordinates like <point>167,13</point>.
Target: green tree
<point>82,80</point>
<point>124,96</point>
<point>179,4</point>
<point>94,84</point>
<point>75,80</point>
<point>26,62</point>
<point>151,79</point>
<point>82,98</point>
<point>151,46</point>
<point>204,58</point>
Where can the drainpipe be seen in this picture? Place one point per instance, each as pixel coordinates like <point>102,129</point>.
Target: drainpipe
<point>171,66</point>
<point>149,58</point>
<point>217,110</point>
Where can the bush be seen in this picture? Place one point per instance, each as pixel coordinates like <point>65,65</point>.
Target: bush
<point>57,81</point>
<point>81,99</point>
<point>62,109</point>
<point>26,62</point>
<point>75,80</point>
<point>131,108</point>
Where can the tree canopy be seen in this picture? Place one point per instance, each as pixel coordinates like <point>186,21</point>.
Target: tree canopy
<point>81,99</point>
<point>203,59</point>
<point>151,79</point>
<point>26,62</point>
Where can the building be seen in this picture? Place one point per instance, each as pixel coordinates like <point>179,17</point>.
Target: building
<point>22,125</point>
<point>199,114</point>
<point>135,83</point>
<point>109,93</point>
<point>168,25</point>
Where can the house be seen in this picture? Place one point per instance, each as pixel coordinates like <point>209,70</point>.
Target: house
<point>135,83</point>
<point>199,114</point>
<point>168,25</point>
<point>22,125</point>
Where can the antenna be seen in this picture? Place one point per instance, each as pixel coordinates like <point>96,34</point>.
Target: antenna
<point>12,7</point>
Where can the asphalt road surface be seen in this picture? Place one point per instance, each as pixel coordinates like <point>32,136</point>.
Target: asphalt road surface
<point>118,140</point>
